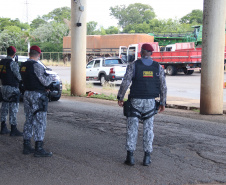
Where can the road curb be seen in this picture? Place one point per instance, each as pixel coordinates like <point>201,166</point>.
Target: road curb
<point>183,107</point>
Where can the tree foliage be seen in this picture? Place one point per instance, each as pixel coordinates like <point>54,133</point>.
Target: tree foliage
<point>91,28</point>
<point>58,15</point>
<point>112,30</point>
<point>37,22</point>
<point>48,30</point>
<point>194,16</point>
<point>52,33</point>
<point>4,22</point>
<point>133,14</point>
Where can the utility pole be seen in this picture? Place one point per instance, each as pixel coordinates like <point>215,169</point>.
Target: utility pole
<point>78,47</point>
<point>213,44</point>
<point>27,11</point>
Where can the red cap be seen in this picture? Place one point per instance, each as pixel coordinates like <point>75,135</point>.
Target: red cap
<point>13,48</point>
<point>147,47</point>
<point>36,48</point>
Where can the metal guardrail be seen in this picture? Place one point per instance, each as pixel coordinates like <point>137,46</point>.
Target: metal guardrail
<point>55,56</point>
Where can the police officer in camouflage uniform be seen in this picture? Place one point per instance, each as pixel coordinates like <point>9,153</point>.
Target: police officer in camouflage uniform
<point>35,82</point>
<point>10,77</point>
<point>148,82</point>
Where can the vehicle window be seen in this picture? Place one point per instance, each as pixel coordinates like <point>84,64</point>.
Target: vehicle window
<point>90,64</point>
<point>131,56</point>
<point>112,61</point>
<point>168,48</point>
<point>97,63</point>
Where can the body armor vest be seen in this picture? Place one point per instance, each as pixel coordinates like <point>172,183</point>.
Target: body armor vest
<point>7,76</point>
<point>145,83</point>
<point>30,80</point>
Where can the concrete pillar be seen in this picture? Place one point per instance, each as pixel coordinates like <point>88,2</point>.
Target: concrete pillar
<point>213,41</point>
<point>78,47</point>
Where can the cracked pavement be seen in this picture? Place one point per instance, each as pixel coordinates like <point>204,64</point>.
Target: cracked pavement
<point>87,138</point>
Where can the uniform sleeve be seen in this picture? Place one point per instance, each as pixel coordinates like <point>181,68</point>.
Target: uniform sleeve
<point>15,69</point>
<point>40,73</point>
<point>163,87</point>
<point>126,81</point>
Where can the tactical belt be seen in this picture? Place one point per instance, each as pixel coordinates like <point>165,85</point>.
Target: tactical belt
<point>130,111</point>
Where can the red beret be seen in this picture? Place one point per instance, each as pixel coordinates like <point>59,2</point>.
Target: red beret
<point>36,48</point>
<point>13,48</point>
<point>147,47</point>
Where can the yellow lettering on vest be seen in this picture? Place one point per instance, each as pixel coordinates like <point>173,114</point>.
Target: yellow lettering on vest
<point>148,74</point>
<point>23,69</point>
<point>4,69</point>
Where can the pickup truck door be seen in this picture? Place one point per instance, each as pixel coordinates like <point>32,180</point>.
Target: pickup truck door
<point>89,68</point>
<point>123,53</point>
<point>92,70</point>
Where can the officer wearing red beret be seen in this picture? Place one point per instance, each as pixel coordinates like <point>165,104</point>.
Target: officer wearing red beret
<point>148,82</point>
<point>10,77</point>
<point>35,103</point>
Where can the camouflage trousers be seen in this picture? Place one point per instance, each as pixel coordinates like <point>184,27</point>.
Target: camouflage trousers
<point>35,122</point>
<point>143,105</point>
<point>10,108</point>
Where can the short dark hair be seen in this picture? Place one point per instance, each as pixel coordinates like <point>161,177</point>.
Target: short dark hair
<point>10,51</point>
<point>34,53</point>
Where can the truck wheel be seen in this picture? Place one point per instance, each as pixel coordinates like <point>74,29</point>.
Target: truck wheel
<point>171,70</point>
<point>56,98</point>
<point>102,80</point>
<point>188,72</point>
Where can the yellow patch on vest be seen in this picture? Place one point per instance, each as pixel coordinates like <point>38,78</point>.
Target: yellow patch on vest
<point>148,74</point>
<point>4,69</point>
<point>23,69</point>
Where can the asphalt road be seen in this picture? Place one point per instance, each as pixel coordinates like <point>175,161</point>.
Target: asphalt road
<point>87,138</point>
<point>185,86</point>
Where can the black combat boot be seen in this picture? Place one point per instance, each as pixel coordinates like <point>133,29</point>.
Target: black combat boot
<point>39,151</point>
<point>147,159</point>
<point>15,131</point>
<point>4,129</point>
<point>28,148</point>
<point>129,158</point>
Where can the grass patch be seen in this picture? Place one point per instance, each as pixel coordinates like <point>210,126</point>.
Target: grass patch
<point>196,110</point>
<point>65,92</point>
<point>89,85</point>
<point>105,97</point>
<point>108,86</point>
<point>66,89</point>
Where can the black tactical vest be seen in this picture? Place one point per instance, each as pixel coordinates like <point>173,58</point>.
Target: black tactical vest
<point>30,80</point>
<point>146,83</point>
<point>7,76</point>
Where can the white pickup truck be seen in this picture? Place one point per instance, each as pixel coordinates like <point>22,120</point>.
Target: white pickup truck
<point>105,70</point>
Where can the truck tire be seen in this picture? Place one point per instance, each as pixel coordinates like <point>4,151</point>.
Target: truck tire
<point>188,72</point>
<point>102,80</point>
<point>171,70</point>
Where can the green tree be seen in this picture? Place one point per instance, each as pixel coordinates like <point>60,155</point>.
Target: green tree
<point>136,13</point>
<point>194,16</point>
<point>37,22</point>
<point>4,22</point>
<point>11,35</point>
<point>91,28</point>
<point>58,15</point>
<point>112,30</point>
<point>51,33</point>
<point>137,28</point>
